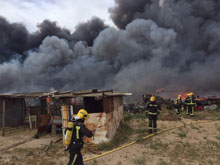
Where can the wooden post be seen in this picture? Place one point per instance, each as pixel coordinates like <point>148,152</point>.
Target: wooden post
<point>30,122</point>
<point>24,109</point>
<point>35,119</point>
<point>54,129</point>
<point>3,118</point>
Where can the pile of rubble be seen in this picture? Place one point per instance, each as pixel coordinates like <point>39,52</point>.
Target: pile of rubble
<point>168,108</point>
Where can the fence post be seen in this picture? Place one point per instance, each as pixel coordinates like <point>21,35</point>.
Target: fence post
<point>3,118</point>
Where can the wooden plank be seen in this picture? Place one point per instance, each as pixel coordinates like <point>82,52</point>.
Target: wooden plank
<point>30,122</point>
<point>54,129</point>
<point>35,119</point>
<point>65,111</point>
<point>3,118</point>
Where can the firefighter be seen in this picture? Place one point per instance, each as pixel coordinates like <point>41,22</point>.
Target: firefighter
<point>179,104</point>
<point>76,143</point>
<point>190,104</point>
<point>153,110</point>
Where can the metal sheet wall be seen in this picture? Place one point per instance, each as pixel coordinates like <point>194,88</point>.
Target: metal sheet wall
<point>108,104</point>
<point>14,112</point>
<point>107,122</point>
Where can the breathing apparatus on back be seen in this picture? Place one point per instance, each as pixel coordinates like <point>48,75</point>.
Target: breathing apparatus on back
<point>68,134</point>
<point>82,114</point>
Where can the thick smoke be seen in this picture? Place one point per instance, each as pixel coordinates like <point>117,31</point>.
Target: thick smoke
<point>123,12</point>
<point>171,44</point>
<point>89,31</point>
<point>13,39</point>
<point>191,62</point>
<point>16,40</point>
<point>54,65</point>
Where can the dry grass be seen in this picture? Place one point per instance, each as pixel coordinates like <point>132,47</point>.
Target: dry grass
<point>203,153</point>
<point>139,161</point>
<point>26,156</point>
<point>205,115</point>
<point>119,139</point>
<point>179,151</point>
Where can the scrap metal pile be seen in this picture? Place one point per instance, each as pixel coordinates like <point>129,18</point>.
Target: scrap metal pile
<point>202,103</point>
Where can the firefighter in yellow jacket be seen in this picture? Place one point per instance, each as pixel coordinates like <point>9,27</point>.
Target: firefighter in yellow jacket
<point>178,104</point>
<point>153,110</point>
<point>73,137</point>
<point>190,104</point>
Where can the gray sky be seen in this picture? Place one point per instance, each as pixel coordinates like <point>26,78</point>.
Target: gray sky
<point>67,13</point>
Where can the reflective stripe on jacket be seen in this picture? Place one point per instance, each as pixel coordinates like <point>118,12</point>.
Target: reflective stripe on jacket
<point>153,108</point>
<point>190,101</point>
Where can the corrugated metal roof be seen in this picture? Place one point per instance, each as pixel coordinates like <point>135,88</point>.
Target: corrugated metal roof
<point>86,93</point>
<point>23,95</point>
<point>107,94</point>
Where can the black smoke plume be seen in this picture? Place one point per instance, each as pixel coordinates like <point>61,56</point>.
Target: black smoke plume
<point>89,31</point>
<point>123,12</point>
<point>171,44</point>
<point>13,39</point>
<point>16,40</point>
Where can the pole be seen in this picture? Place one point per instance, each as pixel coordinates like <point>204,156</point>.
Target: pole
<point>3,118</point>
<point>30,122</point>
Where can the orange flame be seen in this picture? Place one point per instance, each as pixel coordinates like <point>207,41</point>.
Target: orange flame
<point>160,90</point>
<point>47,99</point>
<point>184,95</point>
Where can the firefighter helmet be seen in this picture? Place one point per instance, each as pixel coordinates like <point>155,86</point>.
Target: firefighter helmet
<point>190,94</point>
<point>83,114</point>
<point>179,96</point>
<point>152,98</point>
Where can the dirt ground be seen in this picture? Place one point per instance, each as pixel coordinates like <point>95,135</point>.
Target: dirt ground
<point>191,144</point>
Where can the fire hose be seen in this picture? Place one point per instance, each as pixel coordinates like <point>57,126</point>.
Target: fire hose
<point>146,137</point>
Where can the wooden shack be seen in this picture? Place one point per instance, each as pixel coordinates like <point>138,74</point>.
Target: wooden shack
<point>13,109</point>
<point>105,109</point>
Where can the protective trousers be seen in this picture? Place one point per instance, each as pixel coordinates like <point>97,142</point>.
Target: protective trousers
<point>190,110</point>
<point>152,123</point>
<point>178,109</point>
<point>75,157</point>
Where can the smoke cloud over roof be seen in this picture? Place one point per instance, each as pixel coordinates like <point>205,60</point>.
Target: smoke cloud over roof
<point>171,44</point>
